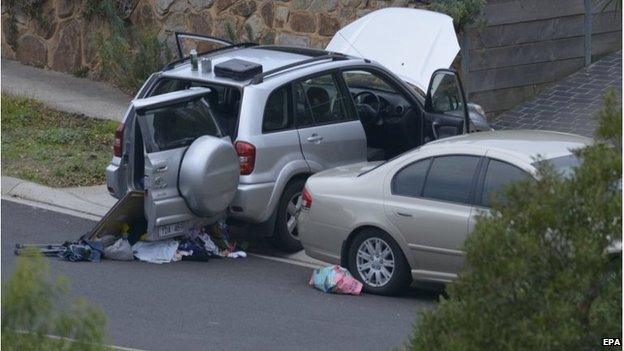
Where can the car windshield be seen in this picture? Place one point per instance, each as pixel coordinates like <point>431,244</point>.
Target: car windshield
<point>177,125</point>
<point>564,165</point>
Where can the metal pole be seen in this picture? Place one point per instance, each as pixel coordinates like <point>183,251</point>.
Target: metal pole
<point>588,32</point>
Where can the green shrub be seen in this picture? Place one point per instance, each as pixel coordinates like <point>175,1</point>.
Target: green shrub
<point>36,315</point>
<point>128,59</point>
<point>537,275</point>
<point>464,12</point>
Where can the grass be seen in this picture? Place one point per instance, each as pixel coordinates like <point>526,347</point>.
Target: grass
<point>54,148</point>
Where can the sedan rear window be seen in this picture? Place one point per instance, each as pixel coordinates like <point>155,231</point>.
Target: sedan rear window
<point>177,125</point>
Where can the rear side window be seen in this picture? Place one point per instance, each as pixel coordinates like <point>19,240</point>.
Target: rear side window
<point>409,180</point>
<point>450,178</point>
<point>498,175</point>
<point>177,125</point>
<point>276,112</point>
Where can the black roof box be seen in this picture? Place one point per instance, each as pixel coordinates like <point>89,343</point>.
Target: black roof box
<point>237,69</point>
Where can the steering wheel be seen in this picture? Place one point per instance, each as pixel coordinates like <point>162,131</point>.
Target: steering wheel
<point>368,112</point>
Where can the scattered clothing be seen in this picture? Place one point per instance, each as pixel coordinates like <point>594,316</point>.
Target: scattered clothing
<point>208,244</point>
<point>157,251</point>
<point>237,254</point>
<point>121,250</point>
<point>335,279</point>
<point>83,250</point>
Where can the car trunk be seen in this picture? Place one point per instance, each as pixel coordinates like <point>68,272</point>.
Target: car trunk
<point>180,143</point>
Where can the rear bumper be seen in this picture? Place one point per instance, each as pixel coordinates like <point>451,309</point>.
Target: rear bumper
<point>251,203</point>
<point>320,240</point>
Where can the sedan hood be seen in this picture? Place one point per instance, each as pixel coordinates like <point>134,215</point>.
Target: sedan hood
<point>409,42</point>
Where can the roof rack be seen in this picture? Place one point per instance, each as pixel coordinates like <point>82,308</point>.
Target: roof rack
<point>295,50</point>
<point>259,78</point>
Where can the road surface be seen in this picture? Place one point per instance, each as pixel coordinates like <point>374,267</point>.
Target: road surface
<point>243,304</point>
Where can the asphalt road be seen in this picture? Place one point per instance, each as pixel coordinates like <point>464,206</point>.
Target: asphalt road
<point>223,304</point>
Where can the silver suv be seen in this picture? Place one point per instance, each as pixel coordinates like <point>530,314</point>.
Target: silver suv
<point>202,144</point>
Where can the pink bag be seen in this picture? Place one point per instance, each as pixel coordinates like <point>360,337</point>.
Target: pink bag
<point>335,279</point>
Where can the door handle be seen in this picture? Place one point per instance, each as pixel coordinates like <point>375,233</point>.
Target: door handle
<point>314,138</point>
<point>403,214</point>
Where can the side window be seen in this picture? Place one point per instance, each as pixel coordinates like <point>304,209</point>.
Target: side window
<point>409,180</point>
<point>498,175</point>
<point>450,178</point>
<point>276,112</point>
<point>369,88</point>
<point>319,100</point>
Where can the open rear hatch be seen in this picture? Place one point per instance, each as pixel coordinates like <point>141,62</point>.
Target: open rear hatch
<point>191,168</point>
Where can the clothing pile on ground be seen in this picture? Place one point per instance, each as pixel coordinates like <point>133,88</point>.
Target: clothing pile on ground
<point>198,244</point>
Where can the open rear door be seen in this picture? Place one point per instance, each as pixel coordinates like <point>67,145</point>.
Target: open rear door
<point>411,43</point>
<point>191,169</point>
<point>202,43</point>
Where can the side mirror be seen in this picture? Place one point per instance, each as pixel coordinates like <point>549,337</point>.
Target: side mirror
<point>478,119</point>
<point>445,97</point>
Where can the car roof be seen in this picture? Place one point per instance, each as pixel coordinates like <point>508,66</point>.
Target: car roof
<point>269,56</point>
<point>525,144</point>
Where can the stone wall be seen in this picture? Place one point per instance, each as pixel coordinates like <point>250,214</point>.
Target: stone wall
<point>61,38</point>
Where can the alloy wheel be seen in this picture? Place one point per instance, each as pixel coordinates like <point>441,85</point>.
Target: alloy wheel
<point>292,211</point>
<point>375,262</point>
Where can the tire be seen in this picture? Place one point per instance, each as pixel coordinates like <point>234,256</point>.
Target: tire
<point>283,238</point>
<point>399,275</point>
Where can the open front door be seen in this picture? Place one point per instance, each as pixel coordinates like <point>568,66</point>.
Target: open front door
<point>191,169</point>
<point>446,110</point>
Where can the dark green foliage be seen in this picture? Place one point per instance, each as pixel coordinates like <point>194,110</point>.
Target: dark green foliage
<point>128,55</point>
<point>37,316</point>
<point>464,12</point>
<point>537,273</point>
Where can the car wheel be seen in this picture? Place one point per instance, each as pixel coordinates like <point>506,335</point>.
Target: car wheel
<point>286,236</point>
<point>377,261</point>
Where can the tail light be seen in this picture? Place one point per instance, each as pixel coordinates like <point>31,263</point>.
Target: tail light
<point>118,145</point>
<point>246,156</point>
<point>306,198</point>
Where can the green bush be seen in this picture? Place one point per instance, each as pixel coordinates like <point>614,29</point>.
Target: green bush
<point>537,275</point>
<point>36,314</point>
<point>129,57</point>
<point>464,12</point>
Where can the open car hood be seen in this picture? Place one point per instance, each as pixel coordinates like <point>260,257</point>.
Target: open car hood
<point>409,42</point>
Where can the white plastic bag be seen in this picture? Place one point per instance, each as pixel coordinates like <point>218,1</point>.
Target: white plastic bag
<point>119,250</point>
<point>156,251</point>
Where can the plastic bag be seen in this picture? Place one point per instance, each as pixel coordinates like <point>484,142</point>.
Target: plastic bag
<point>120,250</point>
<point>335,279</point>
<point>156,251</point>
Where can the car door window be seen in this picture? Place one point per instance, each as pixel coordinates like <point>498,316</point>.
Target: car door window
<point>446,96</point>
<point>277,115</point>
<point>319,100</point>
<point>498,175</point>
<point>409,180</point>
<point>450,178</point>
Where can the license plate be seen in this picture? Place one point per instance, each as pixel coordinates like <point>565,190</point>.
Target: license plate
<point>169,229</point>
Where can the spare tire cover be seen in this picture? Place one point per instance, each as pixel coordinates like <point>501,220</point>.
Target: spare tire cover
<point>209,175</point>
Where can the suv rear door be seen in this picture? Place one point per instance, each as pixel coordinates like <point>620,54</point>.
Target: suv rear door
<point>191,170</point>
<point>329,132</point>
